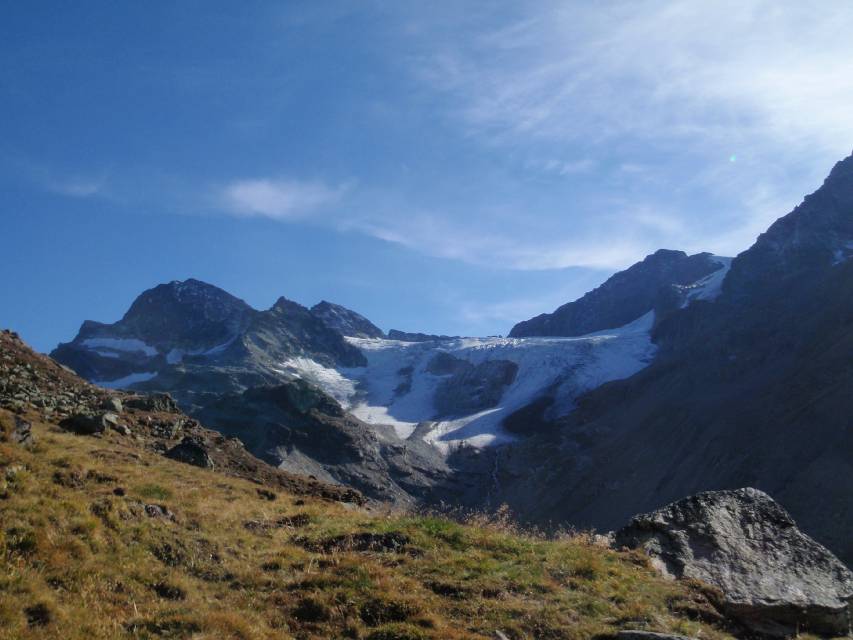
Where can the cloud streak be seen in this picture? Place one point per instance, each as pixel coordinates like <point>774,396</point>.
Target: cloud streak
<point>77,188</point>
<point>687,84</point>
<point>279,199</point>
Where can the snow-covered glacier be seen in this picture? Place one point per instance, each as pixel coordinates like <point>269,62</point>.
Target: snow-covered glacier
<point>399,385</point>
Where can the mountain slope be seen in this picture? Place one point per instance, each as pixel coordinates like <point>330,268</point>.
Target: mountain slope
<point>388,413</point>
<point>247,384</point>
<point>625,296</point>
<point>754,388</point>
<point>196,340</point>
<point>35,388</point>
<point>104,537</point>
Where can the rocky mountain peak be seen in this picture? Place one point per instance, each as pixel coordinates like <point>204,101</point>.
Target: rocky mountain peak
<point>346,321</point>
<point>179,333</point>
<point>664,255</point>
<point>189,315</point>
<point>190,299</point>
<point>285,306</point>
<point>625,296</point>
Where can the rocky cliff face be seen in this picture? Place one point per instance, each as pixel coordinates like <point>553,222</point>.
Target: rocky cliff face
<point>625,296</point>
<point>814,237</point>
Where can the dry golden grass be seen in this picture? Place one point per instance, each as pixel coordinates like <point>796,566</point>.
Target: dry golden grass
<point>81,559</point>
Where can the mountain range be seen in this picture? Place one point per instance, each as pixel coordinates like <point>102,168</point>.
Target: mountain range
<point>680,374</point>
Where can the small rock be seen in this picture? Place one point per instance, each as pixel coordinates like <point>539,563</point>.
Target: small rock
<point>168,430</point>
<point>38,615</point>
<point>22,432</point>
<point>69,478</point>
<point>158,511</point>
<point>169,591</point>
<point>162,402</point>
<point>113,404</point>
<point>123,429</point>
<point>191,451</point>
<point>266,495</point>
<point>13,472</point>
<point>84,424</point>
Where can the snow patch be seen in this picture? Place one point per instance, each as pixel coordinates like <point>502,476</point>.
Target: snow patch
<point>709,287</point>
<point>176,355</point>
<point>329,380</point>
<point>131,345</point>
<point>126,381</point>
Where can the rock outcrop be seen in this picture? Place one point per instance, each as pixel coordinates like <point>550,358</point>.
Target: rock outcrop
<point>297,427</point>
<point>191,451</point>
<point>775,580</point>
<point>472,388</point>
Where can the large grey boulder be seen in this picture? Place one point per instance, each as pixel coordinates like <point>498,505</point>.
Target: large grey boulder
<point>776,580</point>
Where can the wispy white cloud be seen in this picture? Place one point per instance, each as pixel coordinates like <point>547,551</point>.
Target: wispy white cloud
<point>280,199</point>
<point>77,187</point>
<point>74,184</point>
<point>685,85</point>
<point>603,70</point>
<point>441,235</point>
<point>563,167</point>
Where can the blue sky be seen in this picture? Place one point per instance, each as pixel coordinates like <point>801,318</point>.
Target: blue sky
<point>448,167</point>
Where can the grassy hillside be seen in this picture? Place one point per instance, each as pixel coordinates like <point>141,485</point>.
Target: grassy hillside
<point>101,539</point>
